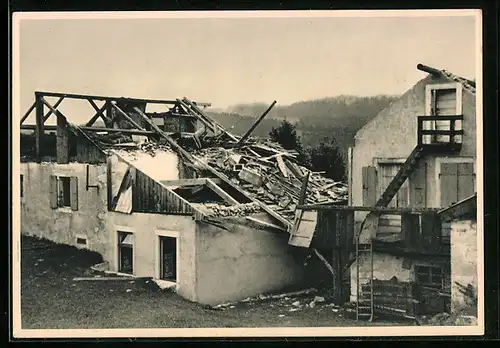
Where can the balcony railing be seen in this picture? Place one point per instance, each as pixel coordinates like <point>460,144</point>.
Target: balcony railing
<point>440,130</point>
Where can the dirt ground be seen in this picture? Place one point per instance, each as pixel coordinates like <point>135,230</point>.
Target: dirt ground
<point>51,299</point>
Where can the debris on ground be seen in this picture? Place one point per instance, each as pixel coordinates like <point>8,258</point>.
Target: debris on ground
<point>266,172</point>
<point>270,174</point>
<point>447,319</point>
<point>218,210</point>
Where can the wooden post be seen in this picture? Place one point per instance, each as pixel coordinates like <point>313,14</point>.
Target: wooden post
<point>339,225</point>
<point>39,131</point>
<point>26,115</point>
<point>56,105</point>
<point>109,183</point>
<point>62,151</point>
<point>256,123</point>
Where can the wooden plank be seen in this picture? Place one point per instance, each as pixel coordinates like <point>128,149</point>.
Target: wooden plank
<point>263,223</point>
<point>333,207</point>
<point>105,98</point>
<point>448,181</point>
<point>127,117</point>
<point>282,166</point>
<point>256,123</point>
<point>99,113</point>
<point>417,185</point>
<point>109,183</point>
<point>221,176</point>
<point>27,114</point>
<point>369,182</point>
<point>39,131</point>
<point>74,192</point>
<point>221,193</point>
<point>466,180</point>
<point>388,229</point>
<point>206,117</point>
<point>53,191</point>
<point>56,105</point>
<point>189,182</point>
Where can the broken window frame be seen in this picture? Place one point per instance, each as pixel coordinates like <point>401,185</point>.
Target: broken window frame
<point>122,237</point>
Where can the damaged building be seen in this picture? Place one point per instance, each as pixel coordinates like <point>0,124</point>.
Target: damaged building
<point>411,185</point>
<point>169,195</point>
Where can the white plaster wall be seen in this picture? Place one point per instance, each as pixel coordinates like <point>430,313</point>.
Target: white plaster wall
<point>384,268</point>
<point>146,248</point>
<point>242,262</point>
<point>63,225</point>
<point>463,262</point>
<point>393,134</point>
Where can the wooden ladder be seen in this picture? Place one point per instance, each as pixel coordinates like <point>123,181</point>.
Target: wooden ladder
<point>364,293</point>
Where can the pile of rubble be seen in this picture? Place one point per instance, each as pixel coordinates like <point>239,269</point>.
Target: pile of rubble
<point>218,210</point>
<point>270,174</point>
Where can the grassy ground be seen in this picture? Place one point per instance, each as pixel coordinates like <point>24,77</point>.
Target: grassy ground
<point>51,299</point>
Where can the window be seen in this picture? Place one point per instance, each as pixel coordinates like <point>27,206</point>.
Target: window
<point>429,276</point>
<point>443,100</point>
<point>387,172</point>
<point>81,241</point>
<point>63,192</point>
<point>126,252</point>
<point>22,186</point>
<point>168,258</point>
<point>456,182</point>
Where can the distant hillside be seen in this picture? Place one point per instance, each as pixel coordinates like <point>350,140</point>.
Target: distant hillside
<point>340,117</point>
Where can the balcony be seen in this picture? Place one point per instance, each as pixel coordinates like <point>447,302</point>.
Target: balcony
<point>440,132</point>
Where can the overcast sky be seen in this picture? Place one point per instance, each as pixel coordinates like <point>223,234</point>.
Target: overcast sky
<point>239,60</point>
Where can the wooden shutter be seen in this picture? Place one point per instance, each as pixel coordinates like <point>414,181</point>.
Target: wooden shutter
<point>410,226</point>
<point>431,232</point>
<point>448,181</point>
<point>417,186</point>
<point>466,180</point>
<point>74,192</point>
<point>369,181</point>
<point>53,191</point>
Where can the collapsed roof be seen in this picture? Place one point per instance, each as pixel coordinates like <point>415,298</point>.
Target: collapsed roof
<point>252,174</point>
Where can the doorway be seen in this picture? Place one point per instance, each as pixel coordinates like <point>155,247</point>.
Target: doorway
<point>126,252</point>
<point>168,258</point>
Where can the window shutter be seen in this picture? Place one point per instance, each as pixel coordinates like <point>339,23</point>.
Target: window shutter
<point>369,181</point>
<point>466,180</point>
<point>53,191</point>
<point>402,196</point>
<point>417,186</point>
<point>448,184</point>
<point>431,232</point>
<point>74,192</point>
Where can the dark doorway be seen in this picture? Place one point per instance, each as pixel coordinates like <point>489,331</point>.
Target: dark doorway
<point>168,259</point>
<point>126,252</point>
